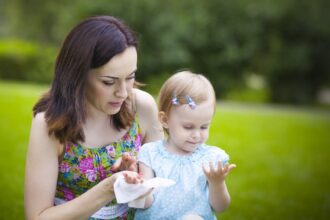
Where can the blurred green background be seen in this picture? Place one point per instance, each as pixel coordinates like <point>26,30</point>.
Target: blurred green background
<point>252,50</point>
<point>268,61</point>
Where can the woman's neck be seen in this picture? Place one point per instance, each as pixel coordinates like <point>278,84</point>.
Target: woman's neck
<point>97,128</point>
<point>94,114</point>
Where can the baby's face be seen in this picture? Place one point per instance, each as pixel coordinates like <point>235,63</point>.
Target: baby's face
<point>189,127</point>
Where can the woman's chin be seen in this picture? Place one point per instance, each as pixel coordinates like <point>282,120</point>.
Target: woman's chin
<point>113,111</point>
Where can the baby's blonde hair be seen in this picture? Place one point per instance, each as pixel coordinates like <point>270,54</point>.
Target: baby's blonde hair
<point>182,84</point>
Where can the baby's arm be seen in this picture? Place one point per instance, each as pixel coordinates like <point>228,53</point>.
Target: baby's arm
<point>147,173</point>
<point>218,194</point>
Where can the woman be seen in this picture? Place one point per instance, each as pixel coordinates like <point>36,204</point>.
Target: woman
<point>90,117</point>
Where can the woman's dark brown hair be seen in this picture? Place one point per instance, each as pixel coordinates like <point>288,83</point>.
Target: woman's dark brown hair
<point>90,44</point>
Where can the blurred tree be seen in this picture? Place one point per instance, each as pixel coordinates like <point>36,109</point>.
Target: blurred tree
<point>294,50</point>
<point>285,41</point>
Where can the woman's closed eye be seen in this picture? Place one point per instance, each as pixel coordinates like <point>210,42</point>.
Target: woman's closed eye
<point>108,83</point>
<point>112,82</point>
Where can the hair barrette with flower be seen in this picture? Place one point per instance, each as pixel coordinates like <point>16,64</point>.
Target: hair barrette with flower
<point>175,100</point>
<point>190,102</point>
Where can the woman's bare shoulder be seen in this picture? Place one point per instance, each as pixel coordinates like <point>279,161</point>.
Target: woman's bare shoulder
<point>39,121</point>
<point>144,100</point>
<point>147,111</point>
<point>39,134</point>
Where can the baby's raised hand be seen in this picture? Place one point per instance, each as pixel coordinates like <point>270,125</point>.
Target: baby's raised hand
<point>219,173</point>
<point>132,177</point>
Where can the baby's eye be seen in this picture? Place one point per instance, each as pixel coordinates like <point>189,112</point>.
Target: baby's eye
<point>188,127</point>
<point>130,78</point>
<point>204,127</point>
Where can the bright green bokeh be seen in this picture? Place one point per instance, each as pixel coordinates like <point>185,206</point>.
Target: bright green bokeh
<point>280,152</point>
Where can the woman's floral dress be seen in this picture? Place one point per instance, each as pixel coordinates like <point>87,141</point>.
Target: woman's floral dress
<point>82,168</point>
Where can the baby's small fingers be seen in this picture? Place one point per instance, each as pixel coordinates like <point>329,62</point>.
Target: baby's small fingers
<point>212,169</point>
<point>130,175</point>
<point>135,180</point>
<point>231,167</point>
<point>205,169</point>
<point>225,167</point>
<point>220,166</point>
<point>139,178</point>
<point>127,177</point>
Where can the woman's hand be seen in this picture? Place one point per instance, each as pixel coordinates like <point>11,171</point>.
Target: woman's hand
<point>217,175</point>
<point>126,162</point>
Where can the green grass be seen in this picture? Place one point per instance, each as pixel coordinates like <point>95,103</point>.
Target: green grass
<point>16,101</point>
<point>281,155</point>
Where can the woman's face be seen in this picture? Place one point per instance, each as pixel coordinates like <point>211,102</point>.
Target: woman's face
<point>109,85</point>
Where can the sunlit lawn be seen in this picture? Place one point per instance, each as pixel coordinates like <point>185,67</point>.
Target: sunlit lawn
<point>281,155</point>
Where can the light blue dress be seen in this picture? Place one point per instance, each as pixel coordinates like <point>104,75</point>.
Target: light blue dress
<point>190,193</point>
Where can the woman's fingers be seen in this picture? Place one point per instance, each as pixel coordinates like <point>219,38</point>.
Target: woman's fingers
<point>131,164</point>
<point>126,162</point>
<point>116,166</point>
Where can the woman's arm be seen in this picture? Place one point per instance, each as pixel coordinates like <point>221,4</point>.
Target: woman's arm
<point>147,111</point>
<point>41,177</point>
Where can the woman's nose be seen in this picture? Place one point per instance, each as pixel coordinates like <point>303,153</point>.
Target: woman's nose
<point>121,91</point>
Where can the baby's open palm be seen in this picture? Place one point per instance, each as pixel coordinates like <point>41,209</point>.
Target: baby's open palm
<point>217,174</point>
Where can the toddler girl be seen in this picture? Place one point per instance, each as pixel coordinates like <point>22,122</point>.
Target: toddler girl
<point>187,104</point>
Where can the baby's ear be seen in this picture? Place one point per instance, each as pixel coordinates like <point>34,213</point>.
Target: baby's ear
<point>163,119</point>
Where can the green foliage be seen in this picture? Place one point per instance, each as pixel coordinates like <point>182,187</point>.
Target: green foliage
<point>25,61</point>
<point>281,156</point>
<point>294,50</point>
<point>285,41</point>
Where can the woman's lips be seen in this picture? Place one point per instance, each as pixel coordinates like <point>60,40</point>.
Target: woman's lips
<point>116,104</point>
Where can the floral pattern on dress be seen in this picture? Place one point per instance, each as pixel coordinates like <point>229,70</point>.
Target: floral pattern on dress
<point>82,168</point>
